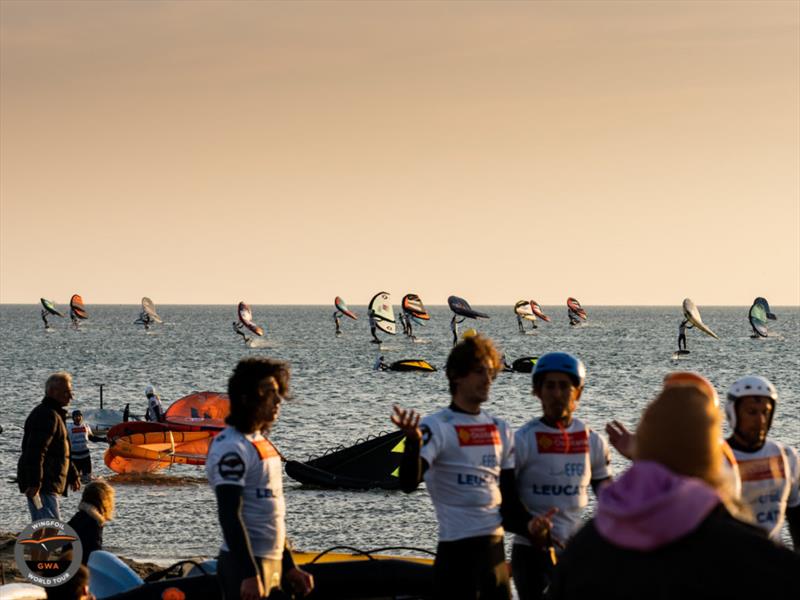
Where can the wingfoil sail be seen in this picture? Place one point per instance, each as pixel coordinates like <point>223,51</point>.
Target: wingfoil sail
<point>77,308</point>
<point>537,310</point>
<point>373,463</point>
<point>383,312</point>
<point>758,316</point>
<point>342,308</point>
<point>412,305</point>
<point>692,313</point>
<point>50,307</point>
<point>524,310</point>
<point>462,308</point>
<point>246,317</point>
<point>149,309</point>
<point>576,307</point>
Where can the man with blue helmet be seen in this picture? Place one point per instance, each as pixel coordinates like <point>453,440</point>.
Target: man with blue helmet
<point>557,458</point>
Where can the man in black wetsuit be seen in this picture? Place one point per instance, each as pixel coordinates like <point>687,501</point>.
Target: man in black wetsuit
<point>682,334</point>
<point>336,316</point>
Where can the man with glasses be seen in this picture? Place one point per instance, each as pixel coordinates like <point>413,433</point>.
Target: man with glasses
<point>557,458</point>
<point>466,457</point>
<point>44,470</point>
<point>245,471</point>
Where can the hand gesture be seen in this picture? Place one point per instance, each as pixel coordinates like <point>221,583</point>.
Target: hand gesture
<point>623,440</point>
<point>408,422</point>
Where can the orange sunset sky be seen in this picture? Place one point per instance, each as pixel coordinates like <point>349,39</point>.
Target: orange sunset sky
<point>287,152</point>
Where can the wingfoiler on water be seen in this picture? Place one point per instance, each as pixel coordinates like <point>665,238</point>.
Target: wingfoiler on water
<point>413,306</point>
<point>524,310</point>
<point>148,313</point>
<point>77,310</point>
<point>692,314</point>
<point>575,311</point>
<point>246,322</point>
<point>759,315</point>
<point>341,306</point>
<point>370,463</point>
<point>48,308</point>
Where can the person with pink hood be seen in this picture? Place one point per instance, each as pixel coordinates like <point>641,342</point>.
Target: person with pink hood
<point>663,530</point>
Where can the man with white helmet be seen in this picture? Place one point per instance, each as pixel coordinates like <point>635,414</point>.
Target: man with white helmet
<point>558,457</point>
<point>770,471</point>
<point>155,412</point>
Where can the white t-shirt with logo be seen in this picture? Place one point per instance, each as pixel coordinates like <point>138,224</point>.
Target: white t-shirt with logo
<point>251,462</point>
<point>465,454</point>
<point>554,468</point>
<point>770,480</point>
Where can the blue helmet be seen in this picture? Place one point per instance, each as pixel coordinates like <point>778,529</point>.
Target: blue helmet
<point>560,362</point>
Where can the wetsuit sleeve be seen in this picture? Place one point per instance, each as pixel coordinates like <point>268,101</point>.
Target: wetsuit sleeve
<point>600,460</point>
<point>412,465</point>
<point>229,510</point>
<point>515,517</point>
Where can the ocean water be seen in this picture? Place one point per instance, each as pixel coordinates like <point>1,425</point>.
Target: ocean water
<point>338,399</point>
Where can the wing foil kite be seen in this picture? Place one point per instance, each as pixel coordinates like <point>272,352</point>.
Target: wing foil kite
<point>149,309</point>
<point>76,307</point>
<point>412,305</point>
<point>575,306</point>
<point>246,317</point>
<point>416,364</point>
<point>462,308</point>
<point>50,307</point>
<point>342,308</point>
<point>373,463</point>
<point>537,310</point>
<point>383,313</point>
<point>691,312</point>
<point>758,316</point>
<point>524,310</point>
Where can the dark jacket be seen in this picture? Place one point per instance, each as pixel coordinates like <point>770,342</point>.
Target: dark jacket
<point>44,461</point>
<point>721,558</point>
<point>89,531</point>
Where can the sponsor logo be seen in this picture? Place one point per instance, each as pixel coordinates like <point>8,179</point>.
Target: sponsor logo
<point>476,480</point>
<point>562,443</point>
<point>558,490</point>
<point>570,470</point>
<point>231,467</point>
<point>48,552</point>
<point>478,435</point>
<point>427,434</point>
<point>759,469</point>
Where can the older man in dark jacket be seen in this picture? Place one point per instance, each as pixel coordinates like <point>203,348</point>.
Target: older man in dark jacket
<point>44,470</point>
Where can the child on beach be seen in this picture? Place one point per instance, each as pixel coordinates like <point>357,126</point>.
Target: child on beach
<point>94,511</point>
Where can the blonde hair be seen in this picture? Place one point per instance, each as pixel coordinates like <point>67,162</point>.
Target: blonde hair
<point>681,429</point>
<point>100,495</point>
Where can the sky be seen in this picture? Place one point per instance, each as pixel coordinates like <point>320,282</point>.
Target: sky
<point>624,153</point>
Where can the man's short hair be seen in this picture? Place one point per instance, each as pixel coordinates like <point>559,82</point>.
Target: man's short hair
<point>243,387</point>
<point>469,354</point>
<point>61,378</point>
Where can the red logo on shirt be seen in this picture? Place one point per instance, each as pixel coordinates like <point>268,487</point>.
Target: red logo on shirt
<point>478,435</point>
<point>562,443</point>
<point>265,449</point>
<point>760,469</point>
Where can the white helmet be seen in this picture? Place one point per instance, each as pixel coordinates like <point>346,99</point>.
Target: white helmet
<point>149,391</point>
<point>752,385</point>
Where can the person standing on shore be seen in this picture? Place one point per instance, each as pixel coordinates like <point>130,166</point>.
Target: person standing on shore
<point>466,457</point>
<point>44,470</point>
<point>244,469</point>
<point>94,511</point>
<point>770,471</point>
<point>155,412</point>
<point>557,458</point>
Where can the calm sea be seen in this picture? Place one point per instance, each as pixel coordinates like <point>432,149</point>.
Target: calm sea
<point>339,399</point>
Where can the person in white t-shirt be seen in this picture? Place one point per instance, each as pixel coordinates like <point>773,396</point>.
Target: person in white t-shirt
<point>244,469</point>
<point>466,457</point>
<point>558,457</point>
<point>770,471</point>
